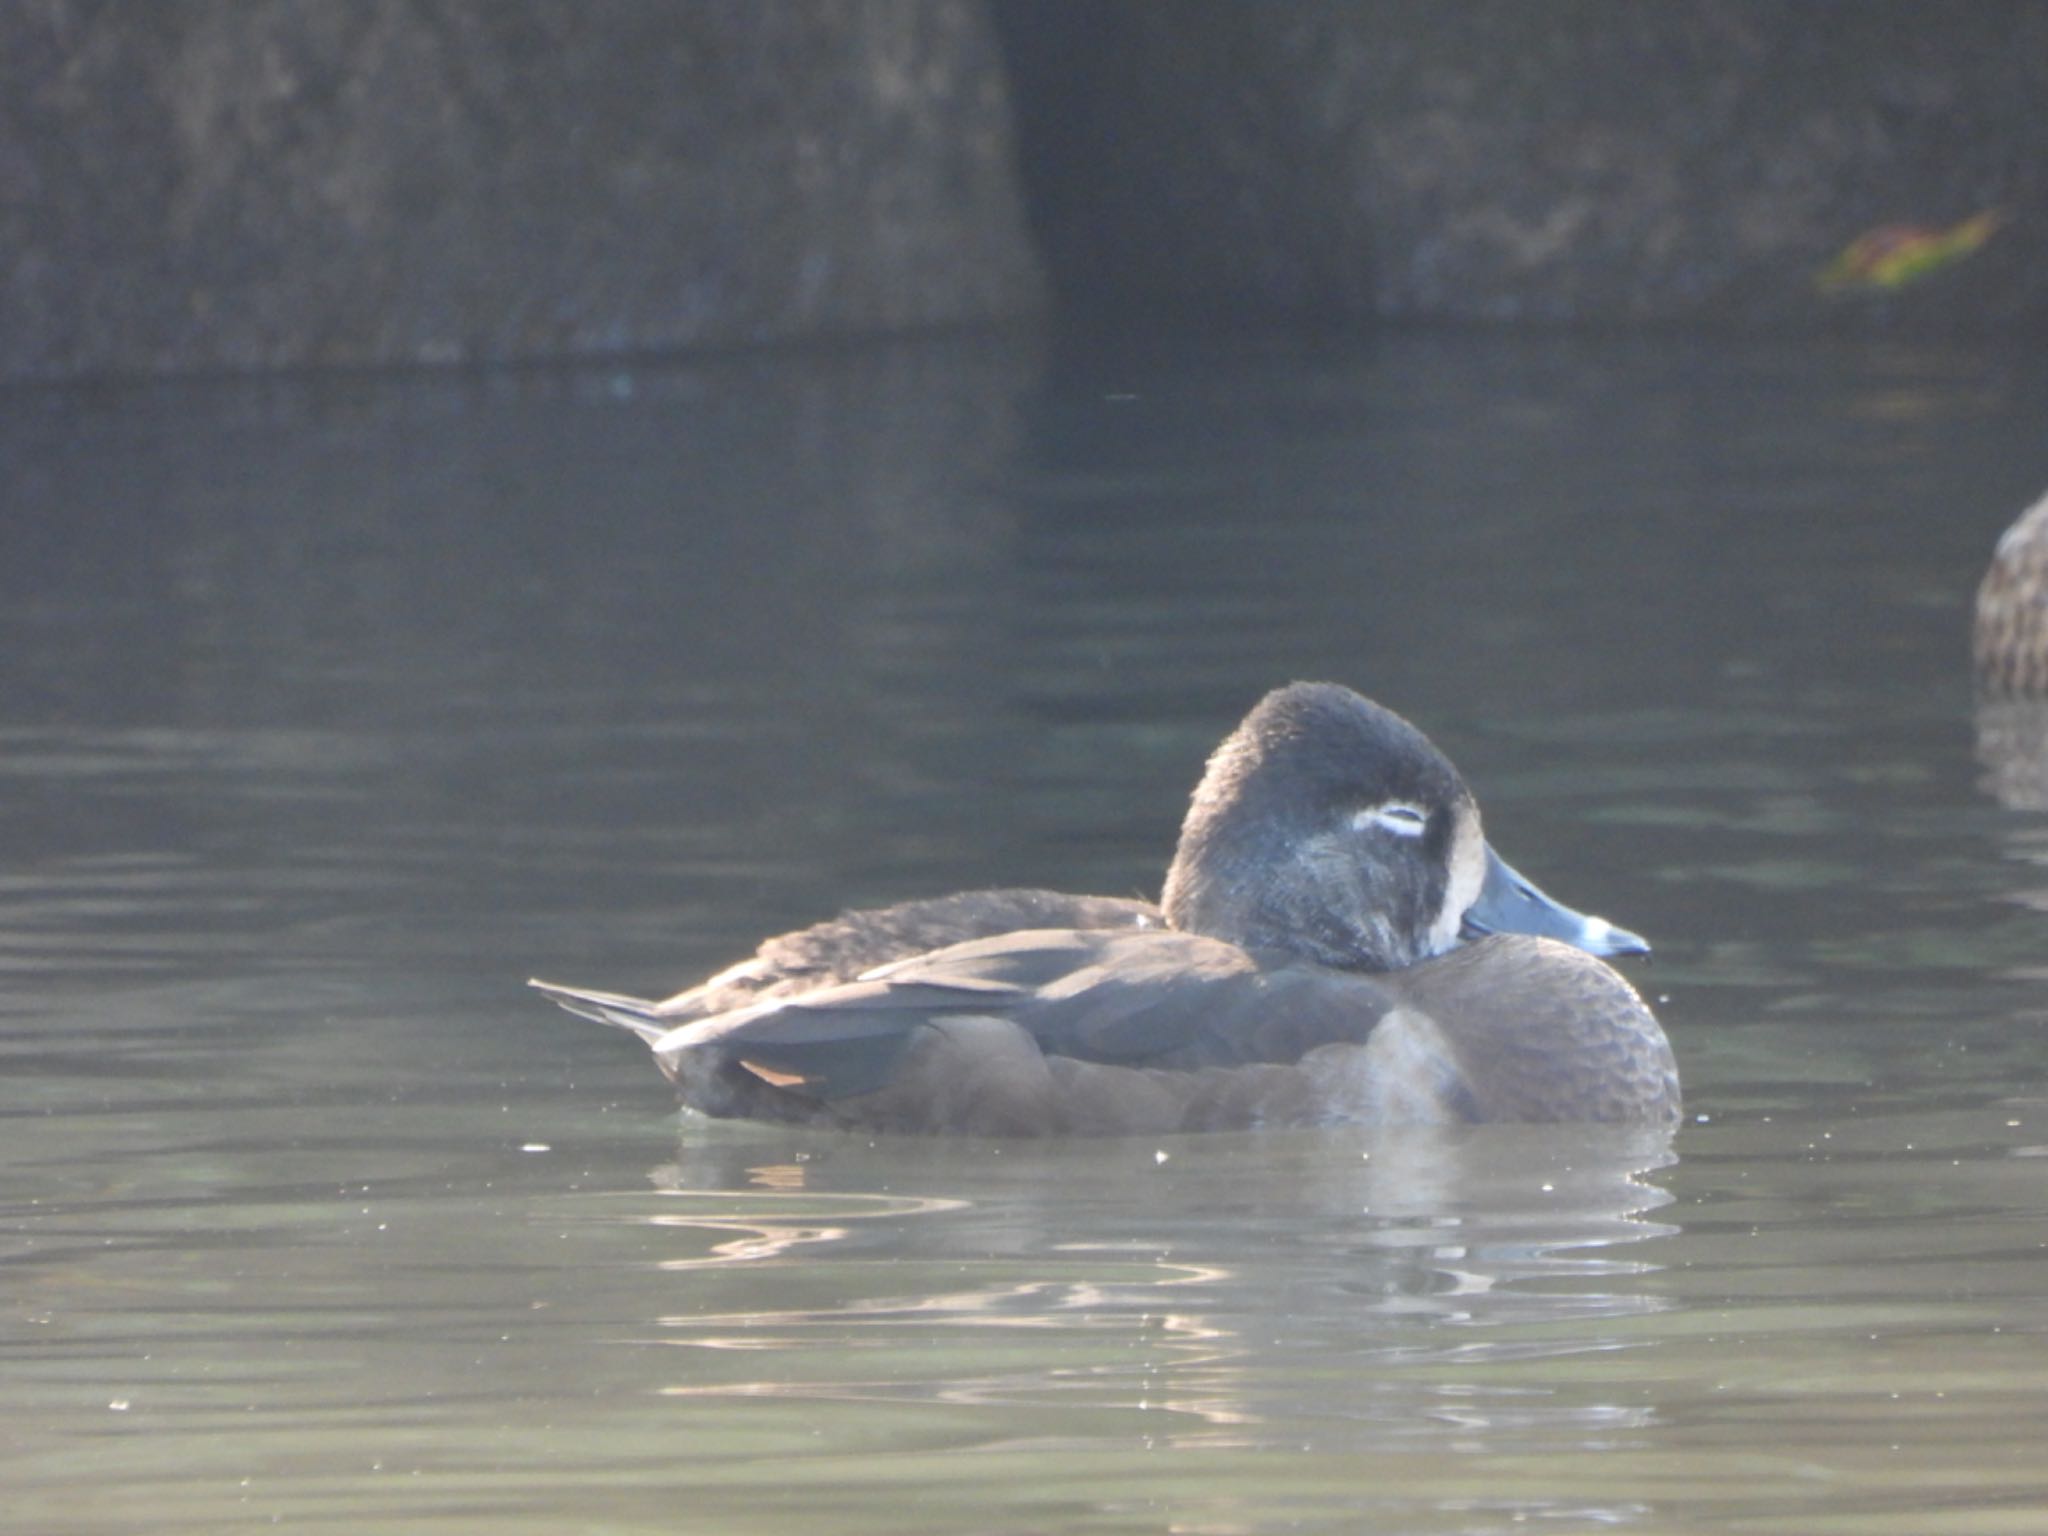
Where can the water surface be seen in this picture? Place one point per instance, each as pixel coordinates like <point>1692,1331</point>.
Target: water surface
<point>331,709</point>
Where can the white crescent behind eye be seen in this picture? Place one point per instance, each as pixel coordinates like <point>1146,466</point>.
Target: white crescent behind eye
<point>1395,816</point>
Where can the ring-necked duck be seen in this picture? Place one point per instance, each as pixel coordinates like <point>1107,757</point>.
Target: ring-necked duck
<point>1336,943</point>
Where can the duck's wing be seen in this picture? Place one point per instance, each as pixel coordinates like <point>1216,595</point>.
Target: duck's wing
<point>1154,999</point>
<point>846,947</point>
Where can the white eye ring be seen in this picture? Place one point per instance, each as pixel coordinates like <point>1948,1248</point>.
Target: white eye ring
<point>1396,816</point>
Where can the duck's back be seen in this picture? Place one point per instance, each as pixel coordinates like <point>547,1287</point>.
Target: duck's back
<point>847,947</point>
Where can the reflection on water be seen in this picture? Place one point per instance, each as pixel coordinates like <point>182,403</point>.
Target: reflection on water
<point>330,710</point>
<point>1213,1280</point>
<point>2012,744</point>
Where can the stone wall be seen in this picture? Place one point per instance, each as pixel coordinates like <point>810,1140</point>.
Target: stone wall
<point>208,184</point>
<point>193,184</point>
<point>1565,161</point>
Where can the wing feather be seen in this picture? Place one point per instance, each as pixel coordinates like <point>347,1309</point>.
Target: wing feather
<point>1153,998</point>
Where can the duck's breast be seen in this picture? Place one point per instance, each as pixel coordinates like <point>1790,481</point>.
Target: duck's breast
<point>1529,1029</point>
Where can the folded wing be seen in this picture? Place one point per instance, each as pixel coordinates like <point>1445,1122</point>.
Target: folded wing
<point>1131,998</point>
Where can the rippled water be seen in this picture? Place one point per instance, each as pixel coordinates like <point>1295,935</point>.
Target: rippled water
<point>332,709</point>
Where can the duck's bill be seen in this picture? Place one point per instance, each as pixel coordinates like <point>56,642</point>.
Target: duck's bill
<point>1510,904</point>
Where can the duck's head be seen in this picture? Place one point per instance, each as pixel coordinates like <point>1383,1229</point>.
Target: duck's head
<point>1331,828</point>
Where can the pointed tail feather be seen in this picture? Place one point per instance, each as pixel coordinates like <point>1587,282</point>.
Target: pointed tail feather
<point>613,1008</point>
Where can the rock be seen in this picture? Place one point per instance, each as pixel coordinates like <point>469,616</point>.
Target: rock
<point>1582,161</point>
<point>206,184</point>
<point>196,184</point>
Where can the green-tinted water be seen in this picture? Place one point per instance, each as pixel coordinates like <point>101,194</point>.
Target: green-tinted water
<point>330,711</point>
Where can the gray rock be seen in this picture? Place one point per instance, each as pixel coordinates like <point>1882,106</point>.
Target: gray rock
<point>1576,160</point>
<point>193,184</point>
<point>204,184</point>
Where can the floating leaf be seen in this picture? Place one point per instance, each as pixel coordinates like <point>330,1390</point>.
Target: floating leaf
<point>1893,255</point>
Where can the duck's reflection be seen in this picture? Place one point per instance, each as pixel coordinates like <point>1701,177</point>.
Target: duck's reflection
<point>2012,746</point>
<point>1419,1284</point>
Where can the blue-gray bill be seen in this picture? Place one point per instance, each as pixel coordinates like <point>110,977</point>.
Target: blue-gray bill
<point>1508,903</point>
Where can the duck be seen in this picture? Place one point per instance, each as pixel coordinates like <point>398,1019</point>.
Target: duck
<point>2009,639</point>
<point>1336,943</point>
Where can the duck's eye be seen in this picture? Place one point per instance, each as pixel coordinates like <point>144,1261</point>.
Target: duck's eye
<point>1396,816</point>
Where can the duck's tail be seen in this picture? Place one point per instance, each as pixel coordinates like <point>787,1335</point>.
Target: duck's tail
<point>621,1012</point>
